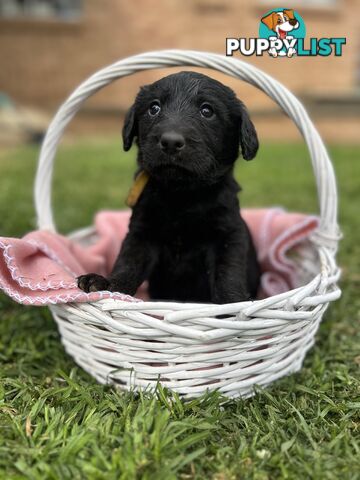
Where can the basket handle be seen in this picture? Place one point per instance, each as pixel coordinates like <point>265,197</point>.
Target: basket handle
<point>328,232</point>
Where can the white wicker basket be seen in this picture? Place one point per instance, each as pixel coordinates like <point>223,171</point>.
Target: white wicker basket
<point>186,346</point>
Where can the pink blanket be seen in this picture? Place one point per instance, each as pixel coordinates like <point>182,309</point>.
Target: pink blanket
<point>42,267</point>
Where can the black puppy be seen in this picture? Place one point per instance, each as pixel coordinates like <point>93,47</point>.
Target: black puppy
<point>186,235</point>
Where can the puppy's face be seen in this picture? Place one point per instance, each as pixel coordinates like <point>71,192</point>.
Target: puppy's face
<point>281,22</point>
<point>189,128</point>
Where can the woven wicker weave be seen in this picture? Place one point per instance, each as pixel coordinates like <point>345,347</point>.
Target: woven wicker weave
<point>186,346</point>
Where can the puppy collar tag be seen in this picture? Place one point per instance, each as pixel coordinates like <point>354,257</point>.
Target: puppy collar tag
<point>137,188</point>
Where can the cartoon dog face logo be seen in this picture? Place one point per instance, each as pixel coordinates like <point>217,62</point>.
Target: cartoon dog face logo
<point>282,23</point>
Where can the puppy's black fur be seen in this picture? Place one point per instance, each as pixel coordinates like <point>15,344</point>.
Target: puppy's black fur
<point>186,236</point>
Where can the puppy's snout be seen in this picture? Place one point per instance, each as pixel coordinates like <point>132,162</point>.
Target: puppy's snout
<point>293,22</point>
<point>172,142</point>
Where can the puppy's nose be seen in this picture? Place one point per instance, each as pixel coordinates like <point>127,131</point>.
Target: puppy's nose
<point>172,142</point>
<point>293,22</point>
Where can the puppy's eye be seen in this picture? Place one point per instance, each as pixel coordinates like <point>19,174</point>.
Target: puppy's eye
<point>279,21</point>
<point>154,108</point>
<point>206,110</point>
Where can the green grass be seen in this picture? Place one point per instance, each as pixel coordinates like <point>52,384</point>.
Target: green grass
<point>57,423</point>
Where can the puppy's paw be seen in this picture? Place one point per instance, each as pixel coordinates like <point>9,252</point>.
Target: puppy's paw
<point>92,283</point>
<point>291,52</point>
<point>273,52</point>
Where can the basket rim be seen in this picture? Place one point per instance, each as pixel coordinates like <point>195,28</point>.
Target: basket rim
<point>328,275</point>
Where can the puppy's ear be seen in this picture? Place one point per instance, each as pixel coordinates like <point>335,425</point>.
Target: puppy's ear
<point>248,137</point>
<point>270,20</point>
<point>130,128</point>
<point>290,14</point>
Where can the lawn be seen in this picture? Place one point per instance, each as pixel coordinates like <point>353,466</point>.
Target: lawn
<point>57,423</point>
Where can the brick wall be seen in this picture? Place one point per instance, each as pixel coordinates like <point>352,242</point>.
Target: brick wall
<point>42,61</point>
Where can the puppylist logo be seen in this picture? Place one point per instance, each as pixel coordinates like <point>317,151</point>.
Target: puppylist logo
<point>282,34</point>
